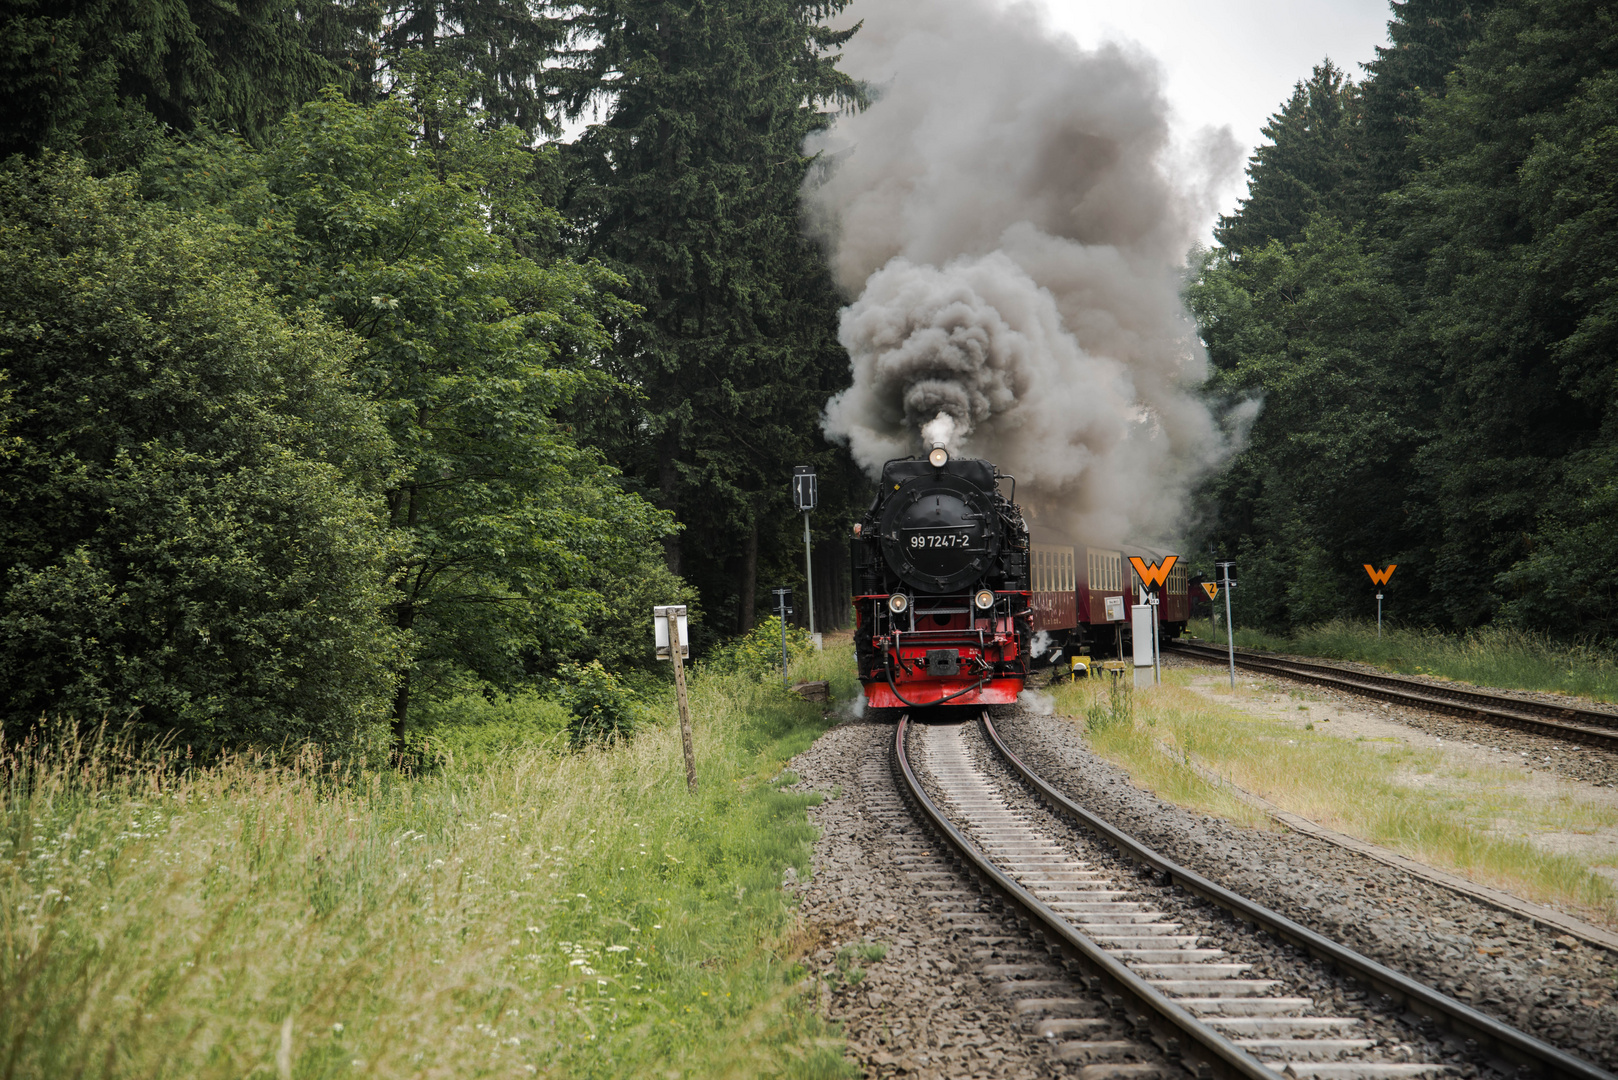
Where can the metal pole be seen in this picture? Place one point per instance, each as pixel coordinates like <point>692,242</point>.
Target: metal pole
<point>783,611</point>
<point>676,655</point>
<point>809,573</point>
<point>1230,627</point>
<point>1157,654</point>
<point>1379,616</point>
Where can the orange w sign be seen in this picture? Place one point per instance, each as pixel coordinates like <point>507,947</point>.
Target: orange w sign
<point>1380,577</point>
<point>1155,575</point>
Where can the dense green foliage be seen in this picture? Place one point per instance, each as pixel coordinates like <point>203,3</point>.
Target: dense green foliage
<point>1423,301</point>
<point>190,509</point>
<point>516,328</point>
<point>515,539</point>
<point>758,654</point>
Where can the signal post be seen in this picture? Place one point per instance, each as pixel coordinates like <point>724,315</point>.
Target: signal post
<point>1379,578</point>
<point>1152,578</point>
<point>672,639</point>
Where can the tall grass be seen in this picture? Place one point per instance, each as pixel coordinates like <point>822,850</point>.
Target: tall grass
<point>1411,800</point>
<point>520,910</point>
<point>1490,656</point>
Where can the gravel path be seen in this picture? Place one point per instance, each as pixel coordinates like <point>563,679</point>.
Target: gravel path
<point>1558,989</point>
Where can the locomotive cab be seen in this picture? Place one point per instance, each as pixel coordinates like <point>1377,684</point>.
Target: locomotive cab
<point>940,566</point>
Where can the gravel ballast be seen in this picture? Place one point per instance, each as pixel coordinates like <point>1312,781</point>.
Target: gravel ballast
<point>933,1006</point>
<point>1547,984</point>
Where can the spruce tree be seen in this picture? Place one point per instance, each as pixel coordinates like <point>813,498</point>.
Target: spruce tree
<point>106,78</point>
<point>689,188</point>
<point>1512,222</point>
<point>500,49</point>
<point>1305,168</point>
<point>1426,40</point>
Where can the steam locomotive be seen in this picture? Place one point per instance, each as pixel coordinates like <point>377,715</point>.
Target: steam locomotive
<point>941,598</point>
<point>955,603</point>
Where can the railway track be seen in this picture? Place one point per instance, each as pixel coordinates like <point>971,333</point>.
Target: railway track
<point>1566,722</point>
<point>1172,1001</point>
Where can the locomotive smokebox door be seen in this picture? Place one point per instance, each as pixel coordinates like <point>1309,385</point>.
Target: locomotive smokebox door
<point>943,662</point>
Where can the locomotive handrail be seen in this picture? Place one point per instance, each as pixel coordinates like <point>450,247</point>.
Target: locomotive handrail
<point>998,476</point>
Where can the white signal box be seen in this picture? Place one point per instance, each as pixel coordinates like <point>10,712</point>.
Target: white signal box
<point>660,630</point>
<point>1142,630</point>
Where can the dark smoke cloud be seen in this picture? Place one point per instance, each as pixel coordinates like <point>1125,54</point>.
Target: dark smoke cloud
<point>1012,216</point>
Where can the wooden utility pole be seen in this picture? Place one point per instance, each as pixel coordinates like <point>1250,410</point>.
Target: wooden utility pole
<point>676,654</point>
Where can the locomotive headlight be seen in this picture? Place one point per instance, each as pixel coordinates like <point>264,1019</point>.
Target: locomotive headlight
<point>938,457</point>
<point>898,602</point>
<point>984,599</point>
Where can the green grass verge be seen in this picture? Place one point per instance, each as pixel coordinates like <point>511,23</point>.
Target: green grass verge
<point>1419,802</point>
<point>520,910</point>
<point>1492,656</point>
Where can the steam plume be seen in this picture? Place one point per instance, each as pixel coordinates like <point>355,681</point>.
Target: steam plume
<point>1012,217</point>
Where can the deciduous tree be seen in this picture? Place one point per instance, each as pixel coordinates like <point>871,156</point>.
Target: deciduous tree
<point>190,536</point>
<point>516,538</point>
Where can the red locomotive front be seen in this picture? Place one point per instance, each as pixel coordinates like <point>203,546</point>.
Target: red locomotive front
<point>941,599</point>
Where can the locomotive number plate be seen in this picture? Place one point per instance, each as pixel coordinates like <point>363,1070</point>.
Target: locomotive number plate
<point>956,539</point>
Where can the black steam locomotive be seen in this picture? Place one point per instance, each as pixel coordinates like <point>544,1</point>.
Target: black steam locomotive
<point>941,587</point>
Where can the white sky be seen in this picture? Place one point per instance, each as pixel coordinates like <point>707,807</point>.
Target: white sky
<point>1231,62</point>
<point>1225,62</point>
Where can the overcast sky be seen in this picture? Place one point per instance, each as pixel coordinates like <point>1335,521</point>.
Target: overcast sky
<point>1232,62</point>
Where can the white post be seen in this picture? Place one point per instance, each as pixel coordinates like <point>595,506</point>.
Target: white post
<point>1379,616</point>
<point>1230,627</point>
<point>809,573</point>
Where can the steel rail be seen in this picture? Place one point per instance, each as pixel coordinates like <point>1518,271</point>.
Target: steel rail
<point>1502,1040</point>
<point>1177,1032</point>
<point>1586,726</point>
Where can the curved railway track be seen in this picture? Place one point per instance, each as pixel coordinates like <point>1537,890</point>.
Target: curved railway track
<point>1173,1002</point>
<point>1566,722</point>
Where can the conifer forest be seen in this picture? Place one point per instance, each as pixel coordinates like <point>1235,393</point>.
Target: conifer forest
<point>356,355</point>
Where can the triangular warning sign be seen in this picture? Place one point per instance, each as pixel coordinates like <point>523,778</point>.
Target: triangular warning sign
<point>1211,588</point>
